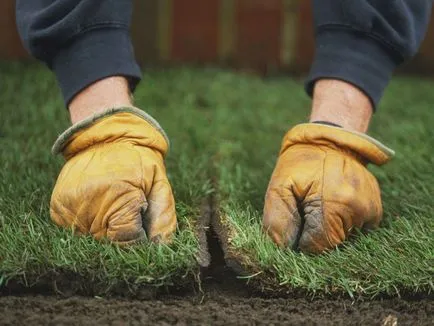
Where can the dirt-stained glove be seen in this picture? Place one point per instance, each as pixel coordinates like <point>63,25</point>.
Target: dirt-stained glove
<point>114,181</point>
<point>320,189</point>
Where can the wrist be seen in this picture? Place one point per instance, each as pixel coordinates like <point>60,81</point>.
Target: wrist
<point>102,95</point>
<point>342,104</point>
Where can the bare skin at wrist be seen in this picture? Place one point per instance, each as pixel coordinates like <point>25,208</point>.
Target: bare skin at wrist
<point>341,103</point>
<point>106,93</point>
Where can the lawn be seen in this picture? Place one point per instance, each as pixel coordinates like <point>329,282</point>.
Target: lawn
<point>225,131</point>
<point>32,249</point>
<point>397,259</point>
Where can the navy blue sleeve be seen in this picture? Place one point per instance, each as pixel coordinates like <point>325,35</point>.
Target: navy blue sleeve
<point>363,41</point>
<point>82,41</point>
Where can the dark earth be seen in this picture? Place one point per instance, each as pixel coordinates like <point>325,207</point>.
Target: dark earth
<point>215,307</point>
<point>222,299</point>
<point>218,310</point>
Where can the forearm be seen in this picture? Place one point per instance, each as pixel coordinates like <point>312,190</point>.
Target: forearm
<point>81,41</point>
<point>107,93</point>
<point>341,104</point>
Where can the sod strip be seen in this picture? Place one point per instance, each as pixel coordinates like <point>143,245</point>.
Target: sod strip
<point>36,253</point>
<point>397,259</point>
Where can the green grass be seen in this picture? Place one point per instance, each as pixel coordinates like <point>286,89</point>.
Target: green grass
<point>226,128</point>
<point>396,259</point>
<point>31,247</point>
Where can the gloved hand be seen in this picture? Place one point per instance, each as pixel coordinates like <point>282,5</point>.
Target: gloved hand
<point>321,190</point>
<point>114,181</point>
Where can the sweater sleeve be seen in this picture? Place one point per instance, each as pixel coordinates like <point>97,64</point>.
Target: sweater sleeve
<point>80,41</point>
<point>363,41</point>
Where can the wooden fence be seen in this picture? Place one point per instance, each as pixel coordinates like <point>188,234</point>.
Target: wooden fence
<point>263,35</point>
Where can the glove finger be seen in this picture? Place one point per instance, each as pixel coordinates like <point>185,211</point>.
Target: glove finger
<point>159,218</point>
<point>319,232</point>
<point>124,218</point>
<point>372,224</point>
<point>281,219</point>
<point>64,217</point>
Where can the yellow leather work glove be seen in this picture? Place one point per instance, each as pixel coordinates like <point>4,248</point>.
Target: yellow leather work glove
<point>320,189</point>
<point>114,181</point>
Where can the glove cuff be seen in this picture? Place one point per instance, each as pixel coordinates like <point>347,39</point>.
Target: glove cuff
<point>76,139</point>
<point>363,145</point>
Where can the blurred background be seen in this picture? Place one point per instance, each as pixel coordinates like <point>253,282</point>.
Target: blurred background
<point>265,36</point>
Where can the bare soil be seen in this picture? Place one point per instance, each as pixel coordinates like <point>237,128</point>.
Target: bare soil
<point>214,308</point>
<point>221,299</point>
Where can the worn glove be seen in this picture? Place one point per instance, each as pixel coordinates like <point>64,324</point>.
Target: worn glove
<point>114,181</point>
<point>320,189</point>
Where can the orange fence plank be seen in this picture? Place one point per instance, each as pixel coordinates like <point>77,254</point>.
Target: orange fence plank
<point>305,44</point>
<point>10,43</point>
<point>195,30</point>
<point>258,33</point>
